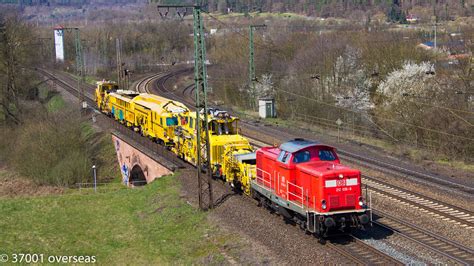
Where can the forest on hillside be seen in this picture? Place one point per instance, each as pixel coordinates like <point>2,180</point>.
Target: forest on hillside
<point>335,8</point>
<point>322,8</point>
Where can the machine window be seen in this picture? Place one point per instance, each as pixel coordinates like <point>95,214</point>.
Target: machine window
<point>326,155</point>
<point>220,128</point>
<point>171,121</point>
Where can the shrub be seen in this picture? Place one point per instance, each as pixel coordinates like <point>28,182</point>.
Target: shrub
<point>53,149</point>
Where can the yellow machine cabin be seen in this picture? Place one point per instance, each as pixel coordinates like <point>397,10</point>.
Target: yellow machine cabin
<point>104,88</point>
<point>225,145</point>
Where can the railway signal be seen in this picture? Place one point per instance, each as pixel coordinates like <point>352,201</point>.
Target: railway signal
<point>200,83</point>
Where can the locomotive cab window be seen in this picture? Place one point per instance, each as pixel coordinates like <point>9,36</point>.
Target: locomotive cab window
<point>284,157</point>
<point>302,156</point>
<point>326,155</point>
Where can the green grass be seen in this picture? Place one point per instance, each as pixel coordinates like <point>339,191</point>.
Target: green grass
<point>137,226</point>
<point>457,164</point>
<point>56,103</point>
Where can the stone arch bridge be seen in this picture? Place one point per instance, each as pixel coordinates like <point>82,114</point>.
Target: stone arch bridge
<point>138,165</point>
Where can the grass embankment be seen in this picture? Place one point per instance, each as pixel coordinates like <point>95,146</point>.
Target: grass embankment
<point>117,225</point>
<point>137,226</point>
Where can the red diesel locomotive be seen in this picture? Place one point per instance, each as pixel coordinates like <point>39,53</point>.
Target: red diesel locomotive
<point>305,182</point>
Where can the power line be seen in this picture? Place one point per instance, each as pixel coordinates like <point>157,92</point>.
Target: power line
<point>386,119</point>
<point>442,107</point>
<point>353,111</point>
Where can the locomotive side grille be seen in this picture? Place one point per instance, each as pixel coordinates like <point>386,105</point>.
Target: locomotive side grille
<point>333,201</point>
<point>350,200</point>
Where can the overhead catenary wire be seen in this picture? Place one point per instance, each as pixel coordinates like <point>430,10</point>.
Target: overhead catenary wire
<point>349,110</point>
<point>386,119</point>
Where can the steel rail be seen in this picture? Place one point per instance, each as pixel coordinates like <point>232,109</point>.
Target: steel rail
<point>436,243</point>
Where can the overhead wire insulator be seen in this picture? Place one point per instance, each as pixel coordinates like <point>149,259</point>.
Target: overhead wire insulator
<point>165,14</point>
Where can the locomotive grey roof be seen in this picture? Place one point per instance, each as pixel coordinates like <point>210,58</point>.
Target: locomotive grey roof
<point>297,144</point>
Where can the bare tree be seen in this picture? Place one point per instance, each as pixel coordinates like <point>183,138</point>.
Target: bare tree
<point>16,56</point>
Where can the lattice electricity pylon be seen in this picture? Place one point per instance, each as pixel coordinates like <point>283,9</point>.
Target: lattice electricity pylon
<point>205,196</point>
<point>79,65</point>
<point>252,77</point>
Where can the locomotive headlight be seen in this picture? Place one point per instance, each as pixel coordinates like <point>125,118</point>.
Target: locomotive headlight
<point>361,201</point>
<point>323,204</point>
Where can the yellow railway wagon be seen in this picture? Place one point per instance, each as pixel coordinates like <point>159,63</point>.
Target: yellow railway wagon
<point>121,106</point>
<point>171,123</point>
<point>157,117</point>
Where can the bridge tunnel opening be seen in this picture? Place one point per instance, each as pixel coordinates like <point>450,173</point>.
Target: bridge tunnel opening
<point>137,177</point>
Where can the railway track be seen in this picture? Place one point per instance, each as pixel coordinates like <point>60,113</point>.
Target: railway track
<point>416,176</point>
<point>366,254</point>
<point>438,209</point>
<point>431,206</point>
<point>143,84</point>
<point>369,254</point>
<point>361,253</point>
<point>151,146</point>
<point>262,133</point>
<point>88,96</point>
<point>371,163</point>
<point>439,244</point>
